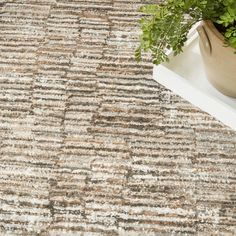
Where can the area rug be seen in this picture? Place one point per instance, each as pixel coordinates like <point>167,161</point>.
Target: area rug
<point>90,144</point>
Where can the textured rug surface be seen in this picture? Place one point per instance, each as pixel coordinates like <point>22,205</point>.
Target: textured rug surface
<point>89,143</point>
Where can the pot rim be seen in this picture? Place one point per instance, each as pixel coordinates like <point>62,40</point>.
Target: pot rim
<point>214,30</point>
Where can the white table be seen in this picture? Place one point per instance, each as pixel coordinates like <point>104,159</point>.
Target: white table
<point>185,76</point>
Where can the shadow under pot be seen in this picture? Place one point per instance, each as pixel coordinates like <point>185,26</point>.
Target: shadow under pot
<point>219,60</point>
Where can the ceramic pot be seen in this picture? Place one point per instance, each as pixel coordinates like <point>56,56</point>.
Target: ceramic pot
<point>219,60</point>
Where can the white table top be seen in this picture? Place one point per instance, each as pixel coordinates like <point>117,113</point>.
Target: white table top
<point>185,76</point>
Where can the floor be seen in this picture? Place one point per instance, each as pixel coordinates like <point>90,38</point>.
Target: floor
<point>90,144</point>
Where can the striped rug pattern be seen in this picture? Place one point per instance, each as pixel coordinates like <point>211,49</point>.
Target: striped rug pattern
<point>89,143</point>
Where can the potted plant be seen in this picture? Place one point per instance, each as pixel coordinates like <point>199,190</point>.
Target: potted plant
<point>166,26</point>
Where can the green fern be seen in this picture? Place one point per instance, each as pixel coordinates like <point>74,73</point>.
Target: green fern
<point>166,26</point>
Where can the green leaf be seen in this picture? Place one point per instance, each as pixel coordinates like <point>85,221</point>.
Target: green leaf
<point>165,26</point>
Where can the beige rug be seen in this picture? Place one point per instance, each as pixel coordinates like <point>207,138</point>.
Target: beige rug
<point>89,143</point>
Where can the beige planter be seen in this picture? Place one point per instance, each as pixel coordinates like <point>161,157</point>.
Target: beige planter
<point>220,61</point>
